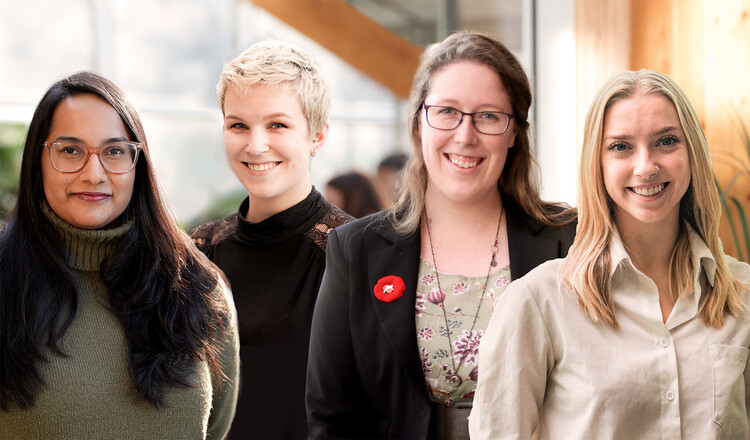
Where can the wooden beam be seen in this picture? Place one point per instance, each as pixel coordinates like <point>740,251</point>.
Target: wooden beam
<point>355,38</point>
<point>602,49</point>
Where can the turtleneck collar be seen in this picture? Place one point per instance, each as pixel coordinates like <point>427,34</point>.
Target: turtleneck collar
<point>85,249</point>
<point>281,226</point>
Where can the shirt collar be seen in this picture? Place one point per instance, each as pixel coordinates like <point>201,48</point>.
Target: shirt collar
<point>702,256</point>
<point>686,307</point>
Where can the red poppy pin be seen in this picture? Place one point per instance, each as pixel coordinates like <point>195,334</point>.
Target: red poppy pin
<point>389,288</point>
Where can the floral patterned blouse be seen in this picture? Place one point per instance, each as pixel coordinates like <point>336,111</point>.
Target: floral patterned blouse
<point>460,296</point>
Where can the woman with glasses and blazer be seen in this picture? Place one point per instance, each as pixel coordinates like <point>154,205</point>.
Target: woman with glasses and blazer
<point>407,293</point>
<point>112,324</point>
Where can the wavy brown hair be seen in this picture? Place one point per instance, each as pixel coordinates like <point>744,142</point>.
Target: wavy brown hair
<point>163,291</point>
<point>518,182</point>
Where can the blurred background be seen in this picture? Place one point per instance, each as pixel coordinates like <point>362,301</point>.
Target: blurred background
<point>167,55</point>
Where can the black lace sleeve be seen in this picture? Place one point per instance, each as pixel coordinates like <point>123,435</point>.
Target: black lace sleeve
<point>205,235</point>
<point>333,218</point>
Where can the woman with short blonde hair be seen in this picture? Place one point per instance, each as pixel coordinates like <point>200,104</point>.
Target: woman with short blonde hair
<point>275,102</point>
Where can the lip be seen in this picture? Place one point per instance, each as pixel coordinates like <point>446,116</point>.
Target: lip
<point>92,196</point>
<point>262,166</point>
<point>651,190</point>
<point>463,162</point>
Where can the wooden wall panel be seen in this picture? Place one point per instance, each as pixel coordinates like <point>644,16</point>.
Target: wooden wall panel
<point>704,45</point>
<point>669,36</point>
<point>727,95</point>
<point>602,49</point>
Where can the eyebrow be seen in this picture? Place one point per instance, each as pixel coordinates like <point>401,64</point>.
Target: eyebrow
<point>454,104</point>
<point>660,132</point>
<point>277,115</point>
<point>666,130</point>
<point>265,117</point>
<point>79,140</point>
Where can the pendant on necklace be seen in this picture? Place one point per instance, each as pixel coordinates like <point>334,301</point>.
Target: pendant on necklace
<point>454,380</point>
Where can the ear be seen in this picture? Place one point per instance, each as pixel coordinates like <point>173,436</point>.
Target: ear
<point>512,138</point>
<point>319,139</point>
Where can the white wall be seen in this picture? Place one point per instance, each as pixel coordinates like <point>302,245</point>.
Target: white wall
<point>555,96</point>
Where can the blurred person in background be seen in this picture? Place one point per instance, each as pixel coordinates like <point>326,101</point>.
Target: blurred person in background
<point>276,104</point>
<point>354,194</point>
<point>407,294</point>
<point>112,324</point>
<point>387,180</point>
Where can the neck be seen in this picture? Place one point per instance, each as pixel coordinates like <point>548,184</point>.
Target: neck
<point>650,248</point>
<point>262,208</point>
<point>463,213</point>
<point>463,235</point>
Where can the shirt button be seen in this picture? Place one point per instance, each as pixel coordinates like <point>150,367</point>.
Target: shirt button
<point>669,395</point>
<point>664,342</point>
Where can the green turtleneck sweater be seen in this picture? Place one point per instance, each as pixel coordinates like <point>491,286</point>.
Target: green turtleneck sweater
<point>89,393</point>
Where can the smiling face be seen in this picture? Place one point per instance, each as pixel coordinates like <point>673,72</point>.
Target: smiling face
<point>91,198</point>
<point>268,146</point>
<point>645,163</point>
<point>464,165</point>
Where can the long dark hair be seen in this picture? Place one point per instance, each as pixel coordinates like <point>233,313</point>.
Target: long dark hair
<point>163,291</point>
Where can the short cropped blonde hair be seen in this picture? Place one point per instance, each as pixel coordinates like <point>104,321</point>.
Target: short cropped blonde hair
<point>278,63</point>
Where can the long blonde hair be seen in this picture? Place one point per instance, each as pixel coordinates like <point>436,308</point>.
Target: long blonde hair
<point>518,181</point>
<point>587,268</point>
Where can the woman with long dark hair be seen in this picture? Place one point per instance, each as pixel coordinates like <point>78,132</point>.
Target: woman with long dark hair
<point>112,324</point>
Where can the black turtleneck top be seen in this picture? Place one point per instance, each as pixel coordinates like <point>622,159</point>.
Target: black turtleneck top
<point>274,267</point>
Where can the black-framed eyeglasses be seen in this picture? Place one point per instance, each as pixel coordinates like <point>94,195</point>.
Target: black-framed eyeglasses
<point>71,156</point>
<point>449,118</point>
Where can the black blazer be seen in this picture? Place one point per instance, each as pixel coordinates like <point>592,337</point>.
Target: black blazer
<point>364,377</point>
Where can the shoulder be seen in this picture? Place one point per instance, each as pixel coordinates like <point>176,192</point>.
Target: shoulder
<point>373,225</point>
<point>332,217</point>
<point>566,221</point>
<point>541,286</point>
<point>740,270</point>
<point>541,279</point>
<point>208,234</point>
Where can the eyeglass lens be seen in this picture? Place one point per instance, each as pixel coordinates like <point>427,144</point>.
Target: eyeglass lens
<point>448,118</point>
<point>118,157</point>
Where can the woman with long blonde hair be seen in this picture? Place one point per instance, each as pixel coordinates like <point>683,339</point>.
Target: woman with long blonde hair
<point>642,331</point>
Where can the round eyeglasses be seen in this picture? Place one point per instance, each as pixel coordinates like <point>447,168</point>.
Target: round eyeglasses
<point>448,118</point>
<point>115,157</point>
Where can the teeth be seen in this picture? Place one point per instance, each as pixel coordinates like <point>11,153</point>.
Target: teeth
<point>261,166</point>
<point>462,161</point>
<point>648,191</point>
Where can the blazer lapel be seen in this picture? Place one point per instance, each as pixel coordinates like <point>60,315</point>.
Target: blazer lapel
<point>397,318</point>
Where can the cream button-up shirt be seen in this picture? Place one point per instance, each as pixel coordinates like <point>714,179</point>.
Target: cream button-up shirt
<point>547,371</point>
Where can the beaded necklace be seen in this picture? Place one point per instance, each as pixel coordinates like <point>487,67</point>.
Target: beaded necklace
<point>455,380</point>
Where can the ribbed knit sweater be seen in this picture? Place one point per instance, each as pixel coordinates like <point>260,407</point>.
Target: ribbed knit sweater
<point>90,394</point>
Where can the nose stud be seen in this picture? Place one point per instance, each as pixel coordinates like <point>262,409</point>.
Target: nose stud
<point>651,177</point>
